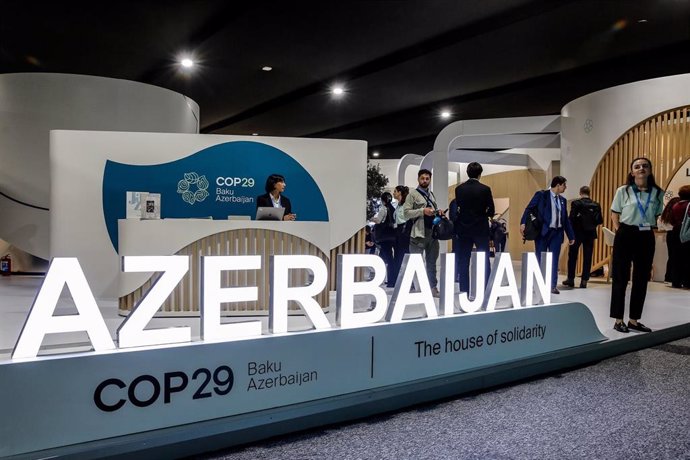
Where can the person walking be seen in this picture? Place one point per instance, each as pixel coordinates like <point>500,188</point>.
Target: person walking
<point>551,208</point>
<point>634,212</point>
<point>585,217</point>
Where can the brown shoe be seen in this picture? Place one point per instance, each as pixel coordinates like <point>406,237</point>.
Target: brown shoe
<point>434,292</point>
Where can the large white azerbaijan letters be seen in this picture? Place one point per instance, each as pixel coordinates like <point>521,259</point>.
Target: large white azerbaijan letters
<point>132,332</point>
<point>156,379</point>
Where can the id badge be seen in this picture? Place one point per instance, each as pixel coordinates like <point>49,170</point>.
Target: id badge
<point>645,227</point>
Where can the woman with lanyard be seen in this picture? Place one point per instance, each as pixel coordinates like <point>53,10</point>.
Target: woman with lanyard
<point>634,212</point>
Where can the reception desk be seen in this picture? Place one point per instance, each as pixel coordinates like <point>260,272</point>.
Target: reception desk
<point>207,237</point>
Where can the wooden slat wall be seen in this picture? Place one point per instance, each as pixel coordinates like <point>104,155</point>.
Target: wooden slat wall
<point>186,296</point>
<point>663,138</point>
<point>355,245</point>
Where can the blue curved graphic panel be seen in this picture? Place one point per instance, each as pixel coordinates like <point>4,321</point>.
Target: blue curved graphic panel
<point>216,182</point>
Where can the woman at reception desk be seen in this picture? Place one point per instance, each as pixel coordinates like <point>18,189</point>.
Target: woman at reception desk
<point>275,186</point>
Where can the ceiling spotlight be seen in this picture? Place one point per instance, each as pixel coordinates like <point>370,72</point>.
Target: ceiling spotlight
<point>187,63</point>
<point>619,25</point>
<point>375,154</point>
<point>445,114</point>
<point>337,90</point>
<point>642,21</point>
<point>255,134</point>
<point>267,68</point>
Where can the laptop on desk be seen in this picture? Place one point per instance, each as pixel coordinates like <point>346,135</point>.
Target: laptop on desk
<point>269,213</point>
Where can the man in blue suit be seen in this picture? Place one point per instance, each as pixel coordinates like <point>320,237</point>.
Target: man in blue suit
<point>552,210</point>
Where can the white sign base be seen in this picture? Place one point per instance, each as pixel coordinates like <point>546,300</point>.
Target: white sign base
<point>57,401</point>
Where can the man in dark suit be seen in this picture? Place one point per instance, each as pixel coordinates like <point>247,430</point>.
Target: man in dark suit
<point>475,206</point>
<point>585,216</point>
<point>551,208</point>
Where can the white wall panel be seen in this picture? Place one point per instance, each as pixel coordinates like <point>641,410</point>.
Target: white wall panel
<point>32,104</point>
<point>592,123</point>
<point>78,160</point>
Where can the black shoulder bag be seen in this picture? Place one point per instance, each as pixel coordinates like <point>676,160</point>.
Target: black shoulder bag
<point>533,224</point>
<point>442,229</point>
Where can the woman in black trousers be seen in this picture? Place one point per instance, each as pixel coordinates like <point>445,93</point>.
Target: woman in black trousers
<point>672,241</point>
<point>680,274</point>
<point>634,212</point>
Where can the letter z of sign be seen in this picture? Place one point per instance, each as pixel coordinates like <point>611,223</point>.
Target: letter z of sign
<point>131,332</point>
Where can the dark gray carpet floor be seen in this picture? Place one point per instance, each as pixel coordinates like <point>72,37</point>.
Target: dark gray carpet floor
<point>634,406</point>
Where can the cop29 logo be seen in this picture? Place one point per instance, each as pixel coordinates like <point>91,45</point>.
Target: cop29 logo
<point>184,188</point>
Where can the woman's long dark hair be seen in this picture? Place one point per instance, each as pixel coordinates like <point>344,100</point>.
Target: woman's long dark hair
<point>651,182</point>
<point>668,210</point>
<point>404,191</point>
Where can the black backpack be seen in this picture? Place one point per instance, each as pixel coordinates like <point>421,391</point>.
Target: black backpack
<point>385,231</point>
<point>589,216</point>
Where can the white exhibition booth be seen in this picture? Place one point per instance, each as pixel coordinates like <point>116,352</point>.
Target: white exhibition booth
<point>175,389</point>
<point>32,104</point>
<point>78,167</point>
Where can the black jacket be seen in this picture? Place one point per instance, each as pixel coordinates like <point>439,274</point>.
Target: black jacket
<point>266,201</point>
<point>475,206</point>
<point>585,215</point>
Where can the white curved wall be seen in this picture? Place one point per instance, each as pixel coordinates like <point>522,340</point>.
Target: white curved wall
<point>592,123</point>
<point>32,104</point>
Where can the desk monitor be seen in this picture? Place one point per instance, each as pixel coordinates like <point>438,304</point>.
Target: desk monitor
<point>269,213</point>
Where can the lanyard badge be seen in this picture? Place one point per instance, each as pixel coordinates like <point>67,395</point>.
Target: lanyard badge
<point>643,210</point>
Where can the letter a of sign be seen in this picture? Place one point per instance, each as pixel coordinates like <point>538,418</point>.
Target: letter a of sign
<point>63,271</point>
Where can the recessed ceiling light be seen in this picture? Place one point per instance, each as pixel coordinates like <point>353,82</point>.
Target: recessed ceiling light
<point>445,114</point>
<point>255,134</point>
<point>267,68</point>
<point>619,25</point>
<point>337,90</point>
<point>642,21</point>
<point>375,154</point>
<point>187,63</point>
